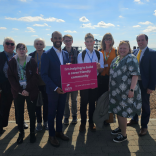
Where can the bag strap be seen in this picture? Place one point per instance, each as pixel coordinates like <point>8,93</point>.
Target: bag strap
<point>98,55</point>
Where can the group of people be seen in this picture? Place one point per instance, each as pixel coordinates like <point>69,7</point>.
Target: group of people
<point>130,78</point>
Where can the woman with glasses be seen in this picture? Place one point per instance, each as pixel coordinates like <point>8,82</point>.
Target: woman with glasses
<point>108,54</point>
<point>39,45</point>
<point>124,91</point>
<point>22,75</point>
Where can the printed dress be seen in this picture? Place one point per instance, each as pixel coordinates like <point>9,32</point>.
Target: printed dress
<point>119,86</point>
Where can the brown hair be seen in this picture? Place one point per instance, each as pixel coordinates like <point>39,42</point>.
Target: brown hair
<point>89,35</point>
<point>124,42</point>
<point>56,32</point>
<point>146,37</point>
<point>67,36</point>
<point>103,45</point>
<point>21,44</point>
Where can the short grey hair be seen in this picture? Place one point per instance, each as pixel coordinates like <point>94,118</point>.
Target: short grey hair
<point>39,39</point>
<point>8,39</point>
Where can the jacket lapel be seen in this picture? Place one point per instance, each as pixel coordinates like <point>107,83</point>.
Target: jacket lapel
<point>145,53</point>
<point>55,57</point>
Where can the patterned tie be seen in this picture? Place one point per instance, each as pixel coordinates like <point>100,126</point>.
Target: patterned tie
<point>138,56</point>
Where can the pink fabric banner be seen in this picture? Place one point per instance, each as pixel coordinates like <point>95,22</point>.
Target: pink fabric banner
<point>78,76</point>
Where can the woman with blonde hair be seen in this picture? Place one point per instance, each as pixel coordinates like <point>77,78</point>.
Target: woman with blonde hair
<point>124,91</point>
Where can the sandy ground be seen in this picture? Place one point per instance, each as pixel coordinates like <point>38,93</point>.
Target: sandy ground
<point>152,105</point>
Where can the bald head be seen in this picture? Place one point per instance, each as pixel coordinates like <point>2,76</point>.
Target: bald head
<point>56,32</point>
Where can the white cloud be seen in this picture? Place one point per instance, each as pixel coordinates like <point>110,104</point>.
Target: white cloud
<point>35,18</point>
<point>3,28</point>
<point>30,29</point>
<point>19,11</point>
<point>150,29</point>
<point>89,25</point>
<point>34,36</point>
<point>14,29</point>
<point>41,25</point>
<point>69,31</point>
<point>147,0</point>
<point>83,19</point>
<point>47,29</point>
<point>23,0</point>
<point>41,15</point>
<point>104,25</point>
<point>48,34</point>
<point>136,26</point>
<point>118,25</point>
<point>145,23</point>
<point>121,16</point>
<point>154,13</point>
<point>124,8</point>
<point>138,1</point>
<point>95,34</point>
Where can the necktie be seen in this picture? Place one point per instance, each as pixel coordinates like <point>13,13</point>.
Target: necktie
<point>138,56</point>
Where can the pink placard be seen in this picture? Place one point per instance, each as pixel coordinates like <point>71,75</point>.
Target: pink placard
<point>78,76</point>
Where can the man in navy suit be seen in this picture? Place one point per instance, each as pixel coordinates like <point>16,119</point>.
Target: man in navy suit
<point>147,81</point>
<point>50,73</point>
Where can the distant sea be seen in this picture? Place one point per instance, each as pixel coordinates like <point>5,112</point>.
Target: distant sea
<point>32,49</point>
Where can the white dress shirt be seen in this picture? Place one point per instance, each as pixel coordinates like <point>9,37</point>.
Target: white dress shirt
<point>59,54</point>
<point>142,53</point>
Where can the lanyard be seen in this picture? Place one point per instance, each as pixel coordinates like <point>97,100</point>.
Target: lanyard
<point>8,57</point>
<point>89,56</point>
<point>116,62</point>
<point>38,61</point>
<point>22,69</point>
<point>106,57</point>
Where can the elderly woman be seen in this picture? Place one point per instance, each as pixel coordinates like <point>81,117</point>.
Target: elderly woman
<point>124,91</point>
<point>22,75</point>
<point>39,45</point>
<point>109,53</point>
<point>6,95</point>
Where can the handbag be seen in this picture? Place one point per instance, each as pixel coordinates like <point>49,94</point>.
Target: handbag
<point>39,100</point>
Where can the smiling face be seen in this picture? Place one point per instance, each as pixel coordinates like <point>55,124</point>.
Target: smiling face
<point>142,42</point>
<point>39,45</point>
<point>68,42</point>
<point>57,40</point>
<point>21,50</point>
<point>108,41</point>
<point>123,50</point>
<point>89,42</point>
<point>9,46</point>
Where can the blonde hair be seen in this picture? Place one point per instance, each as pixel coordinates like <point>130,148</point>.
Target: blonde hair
<point>103,45</point>
<point>69,36</point>
<point>8,39</point>
<point>124,42</point>
<point>39,39</point>
<point>89,35</point>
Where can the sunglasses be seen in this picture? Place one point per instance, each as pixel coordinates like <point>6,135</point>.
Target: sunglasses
<point>12,44</point>
<point>108,39</point>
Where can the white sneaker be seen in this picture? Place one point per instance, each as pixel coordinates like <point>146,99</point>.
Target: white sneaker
<point>39,127</point>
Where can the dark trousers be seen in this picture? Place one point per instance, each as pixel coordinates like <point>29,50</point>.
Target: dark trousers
<point>5,105</point>
<point>45,106</point>
<point>87,96</point>
<point>103,85</point>
<point>56,105</point>
<point>145,107</point>
<point>31,105</point>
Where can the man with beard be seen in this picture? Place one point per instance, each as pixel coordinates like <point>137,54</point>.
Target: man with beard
<point>50,73</point>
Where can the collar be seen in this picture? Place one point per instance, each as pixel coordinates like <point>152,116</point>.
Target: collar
<point>89,51</point>
<point>143,50</point>
<point>57,50</point>
<point>67,51</point>
<point>9,54</point>
<point>27,58</point>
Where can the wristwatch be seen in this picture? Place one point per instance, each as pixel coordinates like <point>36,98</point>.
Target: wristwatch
<point>131,90</point>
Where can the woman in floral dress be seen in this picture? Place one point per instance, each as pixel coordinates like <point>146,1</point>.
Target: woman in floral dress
<point>124,91</point>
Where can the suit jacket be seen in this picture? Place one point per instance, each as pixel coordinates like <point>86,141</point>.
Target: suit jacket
<point>50,69</point>
<point>148,68</point>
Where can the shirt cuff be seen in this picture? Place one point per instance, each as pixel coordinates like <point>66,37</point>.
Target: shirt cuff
<point>55,89</point>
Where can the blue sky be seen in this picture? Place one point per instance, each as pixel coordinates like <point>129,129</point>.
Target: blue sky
<point>25,20</point>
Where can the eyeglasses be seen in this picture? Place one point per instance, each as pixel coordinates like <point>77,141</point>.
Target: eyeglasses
<point>7,43</point>
<point>66,41</point>
<point>108,39</point>
<point>21,49</point>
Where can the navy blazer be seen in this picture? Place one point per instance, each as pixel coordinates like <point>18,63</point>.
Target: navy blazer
<point>50,69</point>
<point>148,68</point>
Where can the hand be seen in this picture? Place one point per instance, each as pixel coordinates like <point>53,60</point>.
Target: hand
<point>59,91</point>
<point>25,93</point>
<point>149,91</point>
<point>130,94</point>
<point>98,66</point>
<point>68,63</point>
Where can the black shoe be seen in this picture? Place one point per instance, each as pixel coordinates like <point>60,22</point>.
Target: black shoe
<point>116,131</point>
<point>25,126</point>
<point>120,138</point>
<point>32,137</point>
<point>74,121</point>
<point>20,138</point>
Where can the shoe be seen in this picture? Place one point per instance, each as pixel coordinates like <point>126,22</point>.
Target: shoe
<point>82,127</point>
<point>66,121</point>
<point>143,131</point>
<point>74,121</point>
<point>61,136</point>
<point>39,127</point>
<point>116,131</point>
<point>92,127</point>
<point>32,137</point>
<point>132,122</point>
<point>20,138</point>
<point>25,125</point>
<point>106,123</point>
<point>46,125</point>
<point>120,138</point>
<point>53,141</point>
